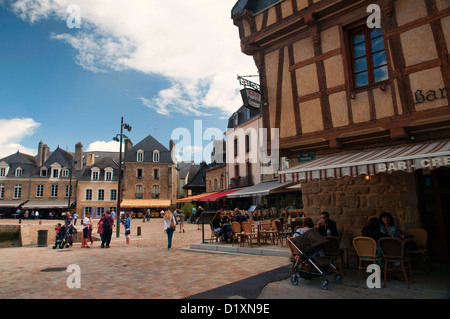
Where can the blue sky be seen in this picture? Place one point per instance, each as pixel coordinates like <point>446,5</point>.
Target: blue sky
<point>159,64</point>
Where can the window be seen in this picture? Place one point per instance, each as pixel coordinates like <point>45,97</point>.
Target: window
<point>236,171</point>
<point>155,191</point>
<point>140,156</point>
<point>247,143</point>
<point>368,56</point>
<point>108,175</point>
<point>88,210</point>
<point>155,156</point>
<point>113,194</point>
<point>155,174</point>
<point>19,172</point>
<point>139,173</point>
<point>2,172</point>
<point>17,191</point>
<point>95,175</point>
<point>88,194</point>
<point>39,190</point>
<point>139,193</point>
<point>54,192</point>
<point>100,211</point>
<point>2,190</point>
<point>43,172</point>
<point>235,147</point>
<point>215,184</point>
<point>55,173</point>
<point>65,173</point>
<point>68,191</point>
<point>101,194</point>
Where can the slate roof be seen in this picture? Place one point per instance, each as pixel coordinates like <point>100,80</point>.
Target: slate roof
<point>199,179</point>
<point>26,162</point>
<point>148,145</point>
<point>101,163</point>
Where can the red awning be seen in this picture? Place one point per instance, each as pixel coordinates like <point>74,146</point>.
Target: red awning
<point>216,196</point>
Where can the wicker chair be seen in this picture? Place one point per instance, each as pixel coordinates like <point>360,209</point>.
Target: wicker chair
<point>420,237</point>
<point>237,233</point>
<point>366,249</point>
<point>248,233</point>
<point>393,252</point>
<point>332,251</point>
<point>214,235</point>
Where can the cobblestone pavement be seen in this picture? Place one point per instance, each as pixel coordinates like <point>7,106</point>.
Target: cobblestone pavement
<point>145,269</point>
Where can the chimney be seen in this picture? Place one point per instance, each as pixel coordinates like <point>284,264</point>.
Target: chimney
<point>78,156</point>
<point>39,155</point>
<point>90,159</point>
<point>45,153</point>
<point>128,145</point>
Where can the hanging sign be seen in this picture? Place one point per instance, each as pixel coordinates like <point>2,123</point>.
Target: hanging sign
<point>251,98</point>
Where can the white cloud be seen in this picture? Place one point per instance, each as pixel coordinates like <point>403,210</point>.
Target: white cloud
<point>12,131</point>
<point>194,44</point>
<point>102,146</point>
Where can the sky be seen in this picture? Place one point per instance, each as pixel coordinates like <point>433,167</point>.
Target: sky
<point>70,69</point>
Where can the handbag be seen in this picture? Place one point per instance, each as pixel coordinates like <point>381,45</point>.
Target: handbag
<point>127,232</point>
<point>172,224</point>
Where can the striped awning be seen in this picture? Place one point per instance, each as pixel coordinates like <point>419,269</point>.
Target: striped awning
<point>407,158</point>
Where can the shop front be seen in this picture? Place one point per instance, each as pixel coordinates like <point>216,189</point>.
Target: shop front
<point>409,181</point>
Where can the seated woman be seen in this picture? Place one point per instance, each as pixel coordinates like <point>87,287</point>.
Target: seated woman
<point>372,230</point>
<point>388,226</point>
<point>219,225</point>
<point>308,224</point>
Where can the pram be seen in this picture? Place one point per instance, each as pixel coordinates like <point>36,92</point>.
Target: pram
<point>309,260</point>
<point>64,237</point>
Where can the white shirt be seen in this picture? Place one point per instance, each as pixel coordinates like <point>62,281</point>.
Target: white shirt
<point>85,222</point>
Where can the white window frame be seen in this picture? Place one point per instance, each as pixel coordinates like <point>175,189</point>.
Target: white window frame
<point>95,174</point>
<point>18,172</point>
<point>65,172</point>
<point>17,191</point>
<point>140,156</point>
<point>109,172</point>
<point>39,190</point>
<point>2,190</point>
<point>54,190</point>
<point>156,156</point>
<point>88,191</point>
<point>68,188</point>
<point>101,195</point>
<point>113,194</point>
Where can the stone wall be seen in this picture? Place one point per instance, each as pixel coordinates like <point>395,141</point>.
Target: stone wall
<point>351,201</point>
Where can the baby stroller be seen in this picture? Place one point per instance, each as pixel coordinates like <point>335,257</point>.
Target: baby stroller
<point>309,260</point>
<point>64,237</point>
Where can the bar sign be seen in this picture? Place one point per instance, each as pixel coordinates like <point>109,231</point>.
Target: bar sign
<point>304,157</point>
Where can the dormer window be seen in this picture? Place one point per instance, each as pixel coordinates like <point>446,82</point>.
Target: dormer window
<point>43,172</point>
<point>108,174</point>
<point>155,156</point>
<point>65,173</point>
<point>55,173</point>
<point>19,172</point>
<point>140,156</point>
<point>95,174</point>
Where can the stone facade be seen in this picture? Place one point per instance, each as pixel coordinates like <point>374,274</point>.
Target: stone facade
<point>216,179</point>
<point>351,201</point>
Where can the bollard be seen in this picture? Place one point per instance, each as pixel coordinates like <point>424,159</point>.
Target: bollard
<point>139,231</point>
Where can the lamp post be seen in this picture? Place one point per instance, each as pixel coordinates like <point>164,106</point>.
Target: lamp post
<point>71,163</point>
<point>119,186</point>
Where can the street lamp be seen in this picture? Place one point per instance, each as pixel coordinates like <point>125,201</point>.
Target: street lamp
<point>71,163</point>
<point>118,138</point>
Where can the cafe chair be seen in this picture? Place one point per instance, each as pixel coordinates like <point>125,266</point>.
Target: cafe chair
<point>295,224</point>
<point>214,235</point>
<point>237,233</point>
<point>366,249</point>
<point>267,231</point>
<point>420,237</point>
<point>248,233</point>
<point>393,251</point>
<point>332,251</point>
<point>279,236</point>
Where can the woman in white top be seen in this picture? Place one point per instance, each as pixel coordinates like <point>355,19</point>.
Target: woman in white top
<point>168,219</point>
<point>86,225</point>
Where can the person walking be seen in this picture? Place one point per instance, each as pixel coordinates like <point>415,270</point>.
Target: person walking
<point>108,224</point>
<point>127,225</point>
<point>181,220</point>
<point>86,225</point>
<point>169,227</point>
<point>100,226</point>
<point>75,217</point>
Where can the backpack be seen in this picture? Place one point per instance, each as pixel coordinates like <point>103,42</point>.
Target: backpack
<point>107,224</point>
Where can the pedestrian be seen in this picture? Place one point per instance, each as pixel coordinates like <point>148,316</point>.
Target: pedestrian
<point>181,220</point>
<point>37,215</point>
<point>108,224</point>
<point>169,227</point>
<point>127,225</point>
<point>75,217</point>
<point>147,215</point>
<point>199,212</point>
<point>90,231</point>
<point>86,224</point>
<point>100,226</point>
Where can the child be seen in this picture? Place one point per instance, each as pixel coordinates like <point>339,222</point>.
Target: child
<point>127,224</point>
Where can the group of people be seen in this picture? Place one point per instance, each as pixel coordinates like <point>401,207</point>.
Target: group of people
<point>325,226</point>
<point>380,227</point>
<point>221,222</point>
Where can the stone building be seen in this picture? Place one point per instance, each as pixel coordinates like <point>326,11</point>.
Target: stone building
<point>367,102</point>
<point>150,177</point>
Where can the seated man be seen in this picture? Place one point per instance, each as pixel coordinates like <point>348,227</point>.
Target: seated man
<point>326,226</point>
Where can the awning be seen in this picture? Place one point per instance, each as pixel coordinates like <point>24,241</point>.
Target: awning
<point>145,203</point>
<point>194,198</point>
<point>407,158</point>
<point>261,189</point>
<point>47,204</point>
<point>216,196</point>
<point>11,203</point>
